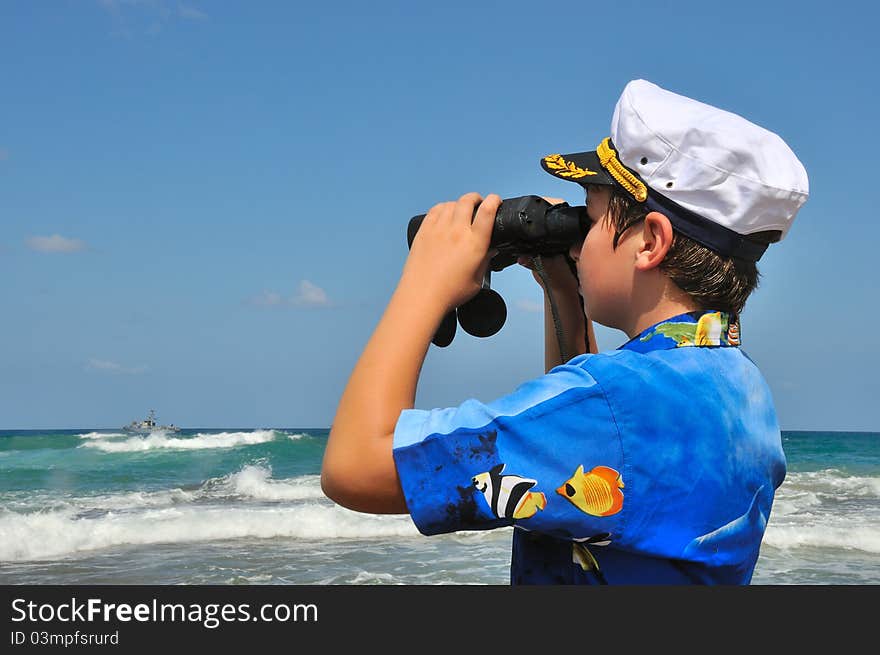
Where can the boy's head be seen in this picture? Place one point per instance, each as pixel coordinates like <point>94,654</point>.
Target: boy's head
<point>726,186</point>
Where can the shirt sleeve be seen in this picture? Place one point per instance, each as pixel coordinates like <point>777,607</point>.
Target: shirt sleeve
<point>546,457</point>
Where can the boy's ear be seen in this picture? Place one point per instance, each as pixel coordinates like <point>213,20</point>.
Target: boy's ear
<point>656,241</point>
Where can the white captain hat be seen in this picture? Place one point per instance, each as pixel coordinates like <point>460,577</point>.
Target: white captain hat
<point>717,176</point>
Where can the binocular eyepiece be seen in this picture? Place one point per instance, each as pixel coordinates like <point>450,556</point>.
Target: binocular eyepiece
<point>526,225</point>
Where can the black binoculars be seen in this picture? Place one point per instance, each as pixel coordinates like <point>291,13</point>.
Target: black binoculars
<point>527,225</point>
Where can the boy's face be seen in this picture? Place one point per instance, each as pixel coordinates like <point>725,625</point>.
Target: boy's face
<point>605,274</point>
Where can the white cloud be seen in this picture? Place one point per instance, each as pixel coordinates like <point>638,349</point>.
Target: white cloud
<point>308,295</point>
<point>530,306</point>
<point>112,367</point>
<point>55,243</point>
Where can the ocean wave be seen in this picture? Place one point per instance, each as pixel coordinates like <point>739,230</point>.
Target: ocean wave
<point>254,481</point>
<point>828,510</point>
<point>100,435</point>
<point>831,481</point>
<point>54,534</point>
<point>825,492</point>
<point>843,536</point>
<point>25,502</point>
<point>161,441</point>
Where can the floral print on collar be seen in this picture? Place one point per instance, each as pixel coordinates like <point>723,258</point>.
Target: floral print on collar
<point>700,328</point>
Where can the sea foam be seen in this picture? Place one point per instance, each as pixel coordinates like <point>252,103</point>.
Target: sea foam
<point>833,482</point>
<point>244,504</point>
<point>46,535</point>
<point>100,435</point>
<point>826,509</point>
<point>254,481</point>
<point>821,535</point>
<point>161,441</point>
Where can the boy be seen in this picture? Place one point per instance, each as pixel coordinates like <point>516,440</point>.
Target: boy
<point>656,463</point>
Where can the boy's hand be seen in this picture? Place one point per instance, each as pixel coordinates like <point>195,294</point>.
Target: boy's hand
<point>557,269</point>
<point>450,254</point>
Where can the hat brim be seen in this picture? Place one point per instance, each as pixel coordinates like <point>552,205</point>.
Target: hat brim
<point>581,167</point>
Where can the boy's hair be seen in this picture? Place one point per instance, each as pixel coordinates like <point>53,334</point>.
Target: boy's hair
<point>713,281</point>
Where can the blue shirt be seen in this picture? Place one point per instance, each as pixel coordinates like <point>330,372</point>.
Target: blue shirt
<point>654,463</point>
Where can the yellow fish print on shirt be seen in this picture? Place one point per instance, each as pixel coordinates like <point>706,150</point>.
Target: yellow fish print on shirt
<point>597,493</point>
<point>707,331</point>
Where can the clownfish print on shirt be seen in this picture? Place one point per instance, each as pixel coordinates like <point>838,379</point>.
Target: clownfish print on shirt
<point>509,496</point>
<point>596,493</point>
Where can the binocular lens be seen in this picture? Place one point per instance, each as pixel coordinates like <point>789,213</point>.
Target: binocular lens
<point>484,314</point>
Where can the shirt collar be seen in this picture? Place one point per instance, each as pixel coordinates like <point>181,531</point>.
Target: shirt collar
<point>700,328</point>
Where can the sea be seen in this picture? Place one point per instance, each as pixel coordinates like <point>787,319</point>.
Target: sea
<point>243,506</point>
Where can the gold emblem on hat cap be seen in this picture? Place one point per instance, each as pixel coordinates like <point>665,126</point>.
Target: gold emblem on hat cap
<point>610,162</point>
<point>563,168</point>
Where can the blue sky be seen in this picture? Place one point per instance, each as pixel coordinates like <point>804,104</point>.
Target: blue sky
<point>203,205</point>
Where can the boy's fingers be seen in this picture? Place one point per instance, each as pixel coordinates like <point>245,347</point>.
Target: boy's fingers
<point>484,221</point>
<point>464,208</point>
<point>439,211</point>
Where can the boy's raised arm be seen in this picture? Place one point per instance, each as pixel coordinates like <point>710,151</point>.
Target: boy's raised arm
<point>445,267</point>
